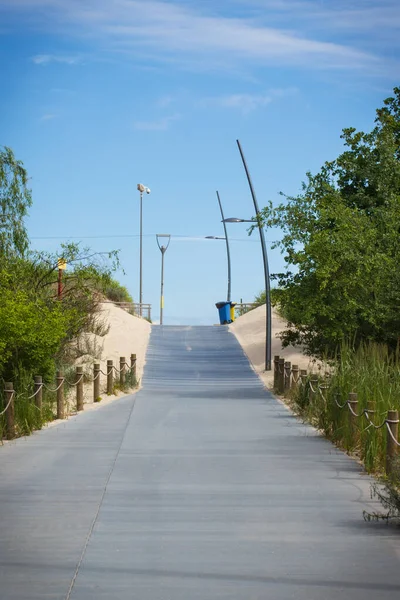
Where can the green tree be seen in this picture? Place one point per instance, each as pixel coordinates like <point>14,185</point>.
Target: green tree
<point>341,235</point>
<point>15,199</point>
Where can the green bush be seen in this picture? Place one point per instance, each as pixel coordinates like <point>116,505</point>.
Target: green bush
<point>117,292</point>
<point>30,334</point>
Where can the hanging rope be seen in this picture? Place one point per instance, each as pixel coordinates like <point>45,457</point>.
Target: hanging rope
<point>9,402</point>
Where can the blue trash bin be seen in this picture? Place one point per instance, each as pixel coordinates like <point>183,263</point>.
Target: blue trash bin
<point>224,309</point>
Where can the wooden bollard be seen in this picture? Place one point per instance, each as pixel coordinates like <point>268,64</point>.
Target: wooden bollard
<point>38,389</point>
<point>353,404</point>
<point>110,377</point>
<point>60,395</point>
<point>303,377</point>
<point>281,376</point>
<point>276,371</point>
<point>295,376</point>
<point>287,373</point>
<point>122,371</point>
<point>10,415</point>
<point>96,382</point>
<point>133,368</point>
<point>79,388</point>
<point>312,394</point>
<point>370,407</point>
<point>391,446</point>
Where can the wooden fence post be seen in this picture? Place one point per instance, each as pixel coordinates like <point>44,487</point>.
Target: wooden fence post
<point>122,371</point>
<point>60,395</point>
<point>10,416</point>
<point>79,388</point>
<point>287,371</point>
<point>96,382</point>
<point>353,404</point>
<point>38,389</point>
<point>313,388</point>
<point>303,376</point>
<point>391,446</point>
<point>110,377</point>
<point>281,376</point>
<point>276,371</point>
<point>133,367</point>
<point>295,376</point>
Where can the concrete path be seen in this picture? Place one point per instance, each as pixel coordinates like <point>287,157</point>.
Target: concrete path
<point>201,487</point>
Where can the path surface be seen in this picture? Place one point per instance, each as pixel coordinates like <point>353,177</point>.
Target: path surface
<point>202,488</point>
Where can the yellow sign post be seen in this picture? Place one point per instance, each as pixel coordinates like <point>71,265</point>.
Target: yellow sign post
<point>62,265</point>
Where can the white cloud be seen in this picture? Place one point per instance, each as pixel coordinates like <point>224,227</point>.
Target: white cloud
<point>246,102</point>
<point>231,33</point>
<point>48,117</point>
<point>45,59</point>
<point>161,124</point>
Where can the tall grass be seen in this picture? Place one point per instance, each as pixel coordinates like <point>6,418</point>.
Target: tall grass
<point>374,374</point>
<point>27,416</point>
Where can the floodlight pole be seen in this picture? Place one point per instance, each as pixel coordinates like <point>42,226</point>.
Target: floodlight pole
<point>268,328</point>
<point>228,256</point>
<point>141,255</point>
<point>142,188</point>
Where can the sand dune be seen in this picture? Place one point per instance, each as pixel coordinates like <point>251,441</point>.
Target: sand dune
<point>127,335</point>
<point>249,330</point>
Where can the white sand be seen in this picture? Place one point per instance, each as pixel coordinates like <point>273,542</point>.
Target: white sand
<point>127,335</point>
<point>249,330</point>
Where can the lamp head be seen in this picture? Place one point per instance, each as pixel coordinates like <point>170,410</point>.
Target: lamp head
<point>142,188</point>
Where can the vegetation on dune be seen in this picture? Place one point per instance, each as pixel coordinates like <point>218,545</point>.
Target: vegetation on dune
<point>340,291</point>
<point>39,332</point>
<point>341,243</point>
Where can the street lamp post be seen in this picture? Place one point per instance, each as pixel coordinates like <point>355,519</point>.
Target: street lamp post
<point>268,323</point>
<point>228,255</point>
<point>163,250</point>
<point>142,188</point>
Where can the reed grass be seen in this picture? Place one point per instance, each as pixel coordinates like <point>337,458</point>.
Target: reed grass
<point>373,373</point>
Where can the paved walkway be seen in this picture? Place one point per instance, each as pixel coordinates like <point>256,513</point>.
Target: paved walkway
<point>203,487</point>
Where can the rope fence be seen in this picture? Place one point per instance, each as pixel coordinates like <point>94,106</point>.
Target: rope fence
<point>127,376</point>
<point>288,376</point>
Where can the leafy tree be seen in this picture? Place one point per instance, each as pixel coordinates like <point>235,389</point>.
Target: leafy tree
<point>341,235</point>
<point>15,199</point>
<point>30,335</point>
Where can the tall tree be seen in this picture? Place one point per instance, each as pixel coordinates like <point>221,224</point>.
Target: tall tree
<point>15,199</point>
<point>341,242</point>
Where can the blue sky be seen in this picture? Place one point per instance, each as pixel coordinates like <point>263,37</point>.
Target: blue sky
<point>99,95</point>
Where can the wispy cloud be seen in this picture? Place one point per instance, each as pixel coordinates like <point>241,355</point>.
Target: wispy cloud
<point>46,59</point>
<point>48,117</point>
<point>161,124</point>
<point>305,34</point>
<point>245,102</point>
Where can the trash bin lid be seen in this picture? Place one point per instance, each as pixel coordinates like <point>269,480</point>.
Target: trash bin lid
<point>221,304</point>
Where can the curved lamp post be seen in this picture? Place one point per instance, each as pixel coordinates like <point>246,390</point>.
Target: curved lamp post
<point>142,188</point>
<point>163,250</point>
<point>268,323</point>
<point>214,237</point>
<point>228,255</point>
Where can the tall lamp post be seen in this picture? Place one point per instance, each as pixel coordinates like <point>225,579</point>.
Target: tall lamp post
<point>142,188</point>
<point>163,250</point>
<point>228,255</point>
<point>268,322</point>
